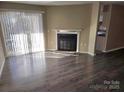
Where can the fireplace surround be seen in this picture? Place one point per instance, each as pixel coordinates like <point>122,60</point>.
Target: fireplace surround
<point>67,40</point>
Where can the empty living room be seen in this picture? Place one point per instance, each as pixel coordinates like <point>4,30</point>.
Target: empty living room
<point>61,46</point>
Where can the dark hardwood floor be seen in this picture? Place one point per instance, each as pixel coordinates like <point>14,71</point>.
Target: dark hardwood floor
<point>36,72</point>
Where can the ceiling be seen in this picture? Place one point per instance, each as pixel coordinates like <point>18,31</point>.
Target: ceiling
<point>53,2</point>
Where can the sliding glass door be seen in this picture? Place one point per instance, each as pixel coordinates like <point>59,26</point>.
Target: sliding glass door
<point>23,32</point>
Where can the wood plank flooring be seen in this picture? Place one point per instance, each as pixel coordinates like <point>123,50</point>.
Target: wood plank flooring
<point>36,72</point>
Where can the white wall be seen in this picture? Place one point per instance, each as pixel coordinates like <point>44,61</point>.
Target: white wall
<point>93,28</point>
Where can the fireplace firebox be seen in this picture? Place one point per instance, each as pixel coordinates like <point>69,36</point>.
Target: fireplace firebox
<point>67,42</point>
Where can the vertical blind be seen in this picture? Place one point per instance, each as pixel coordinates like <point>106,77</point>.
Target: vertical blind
<point>23,32</point>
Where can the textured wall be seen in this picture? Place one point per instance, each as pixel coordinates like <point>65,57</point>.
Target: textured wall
<point>69,17</point>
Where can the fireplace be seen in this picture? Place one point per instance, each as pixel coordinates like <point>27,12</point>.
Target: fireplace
<point>67,41</point>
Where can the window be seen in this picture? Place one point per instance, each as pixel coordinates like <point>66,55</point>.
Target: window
<point>23,32</point>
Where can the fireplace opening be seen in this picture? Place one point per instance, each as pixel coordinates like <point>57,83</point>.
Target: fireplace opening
<point>67,42</point>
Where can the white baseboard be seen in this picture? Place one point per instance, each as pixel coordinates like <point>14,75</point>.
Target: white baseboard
<point>84,52</point>
<point>92,54</point>
<point>51,49</point>
<point>1,68</point>
<point>113,49</point>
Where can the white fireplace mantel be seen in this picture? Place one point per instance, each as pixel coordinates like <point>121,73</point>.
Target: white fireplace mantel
<point>69,31</point>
